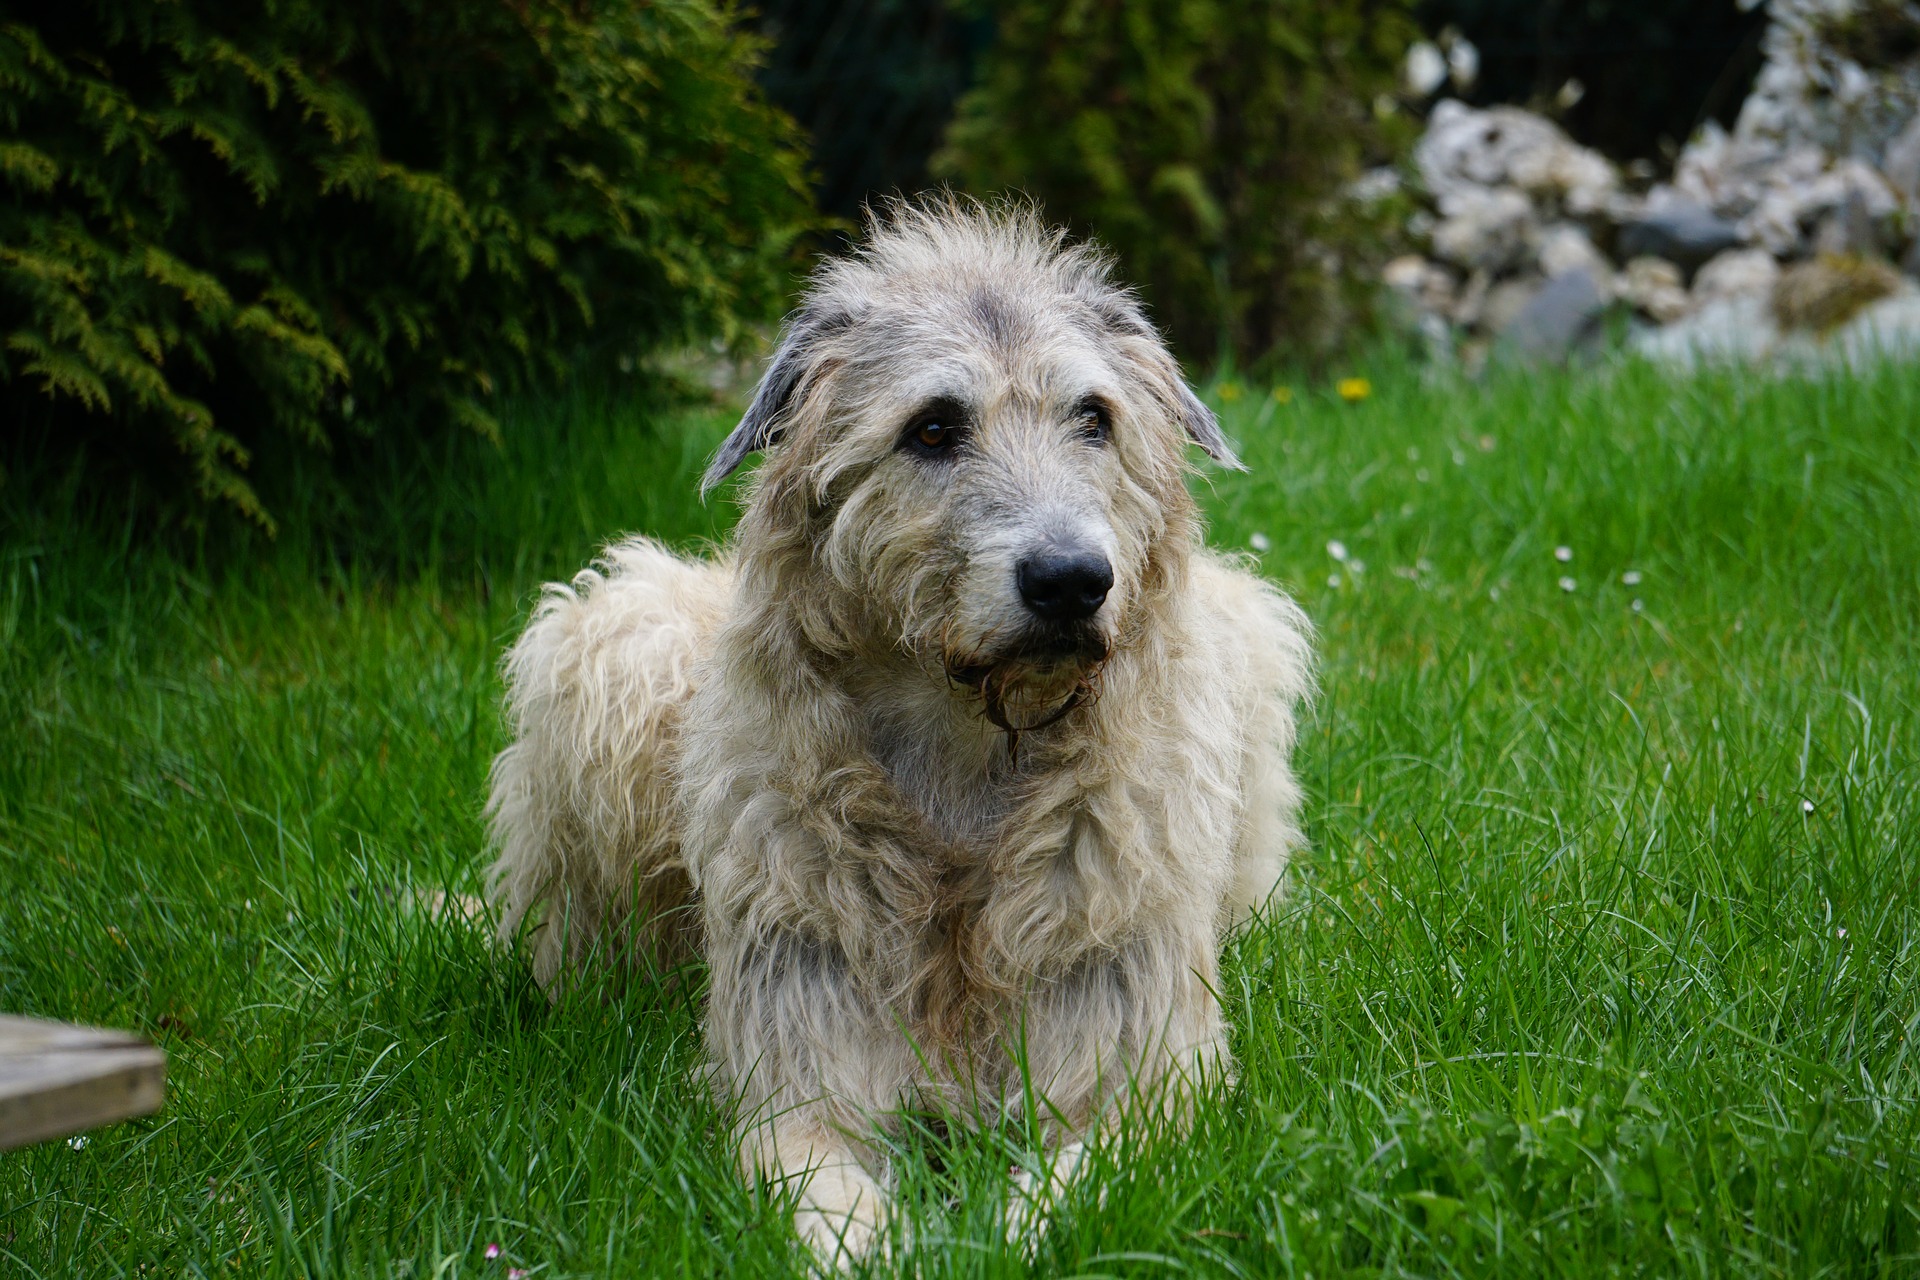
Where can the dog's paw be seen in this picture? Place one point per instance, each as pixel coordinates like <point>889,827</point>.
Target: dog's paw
<point>842,1218</point>
<point>1037,1194</point>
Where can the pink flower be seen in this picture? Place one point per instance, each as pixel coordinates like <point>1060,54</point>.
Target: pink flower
<point>516,1273</point>
<point>493,1251</point>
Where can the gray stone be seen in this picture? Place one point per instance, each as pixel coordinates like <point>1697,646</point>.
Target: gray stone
<point>1562,316</point>
<point>1507,300</point>
<point>1901,167</point>
<point>1681,231</point>
<point>1850,228</point>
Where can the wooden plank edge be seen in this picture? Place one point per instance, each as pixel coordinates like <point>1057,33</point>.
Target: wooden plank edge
<point>128,1083</point>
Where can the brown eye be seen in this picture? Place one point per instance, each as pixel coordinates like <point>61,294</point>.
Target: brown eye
<point>1095,423</point>
<point>936,431</point>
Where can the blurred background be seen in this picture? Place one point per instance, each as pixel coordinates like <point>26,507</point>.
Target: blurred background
<point>244,243</point>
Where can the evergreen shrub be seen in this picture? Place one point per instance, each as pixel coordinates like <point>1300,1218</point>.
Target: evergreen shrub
<point>229,225</point>
<point>1209,143</point>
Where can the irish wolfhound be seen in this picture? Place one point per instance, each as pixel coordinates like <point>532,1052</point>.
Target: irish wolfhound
<point>958,764</point>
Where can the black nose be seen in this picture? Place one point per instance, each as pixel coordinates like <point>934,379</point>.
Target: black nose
<point>1065,586</point>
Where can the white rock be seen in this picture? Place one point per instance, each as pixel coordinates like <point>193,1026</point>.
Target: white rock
<point>1425,69</point>
<point>1375,185</point>
<point>1655,286</point>
<point>1795,203</point>
<point>1468,150</point>
<point>1472,299</point>
<point>1813,125</point>
<point>1427,286</point>
<point>1737,273</point>
<point>1566,247</point>
<point>1405,273</point>
<point>1886,330</point>
<point>1901,165</point>
<point>1725,331</point>
<point>1743,331</point>
<point>1487,230</point>
<point>1463,63</point>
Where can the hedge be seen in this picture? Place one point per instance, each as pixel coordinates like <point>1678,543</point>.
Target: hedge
<point>229,222</point>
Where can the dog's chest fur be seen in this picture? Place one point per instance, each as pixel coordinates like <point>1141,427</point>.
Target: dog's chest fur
<point>949,765</point>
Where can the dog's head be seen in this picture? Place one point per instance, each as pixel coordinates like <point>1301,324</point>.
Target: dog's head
<point>976,451</point>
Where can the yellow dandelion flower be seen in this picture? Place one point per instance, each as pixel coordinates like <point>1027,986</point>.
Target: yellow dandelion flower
<point>1229,391</point>
<point>1283,395</point>
<point>1354,390</point>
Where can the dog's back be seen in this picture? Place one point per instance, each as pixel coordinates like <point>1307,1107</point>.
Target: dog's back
<point>581,802</point>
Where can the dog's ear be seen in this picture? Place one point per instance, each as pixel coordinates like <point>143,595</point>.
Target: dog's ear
<point>794,362</point>
<point>1203,425</point>
<point>1123,316</point>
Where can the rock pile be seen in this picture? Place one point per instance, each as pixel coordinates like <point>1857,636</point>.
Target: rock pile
<point>1533,240</point>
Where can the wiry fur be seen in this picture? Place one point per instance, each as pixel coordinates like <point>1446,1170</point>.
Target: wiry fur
<point>901,904</point>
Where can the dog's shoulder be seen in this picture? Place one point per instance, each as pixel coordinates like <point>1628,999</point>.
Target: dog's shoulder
<point>1248,626</point>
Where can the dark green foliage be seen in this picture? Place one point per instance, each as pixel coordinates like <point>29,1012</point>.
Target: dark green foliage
<point>873,82</point>
<point>1206,141</point>
<point>230,225</point>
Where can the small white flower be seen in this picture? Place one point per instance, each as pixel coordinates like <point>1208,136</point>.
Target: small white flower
<point>1630,578</point>
<point>1568,584</point>
<point>1422,475</point>
<point>1337,549</point>
<point>78,1142</point>
<point>1806,806</point>
<point>1356,567</point>
<point>1333,579</point>
<point>1638,606</point>
<point>1841,932</point>
<point>1563,554</point>
<point>1260,542</point>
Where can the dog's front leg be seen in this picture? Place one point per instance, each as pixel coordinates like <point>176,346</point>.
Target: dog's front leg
<point>843,1210</point>
<point>1135,1033</point>
<point>816,1067</point>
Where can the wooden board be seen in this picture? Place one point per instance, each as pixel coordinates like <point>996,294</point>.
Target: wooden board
<point>57,1079</point>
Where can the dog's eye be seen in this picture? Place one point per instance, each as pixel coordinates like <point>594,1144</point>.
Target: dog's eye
<point>1095,423</point>
<point>934,433</point>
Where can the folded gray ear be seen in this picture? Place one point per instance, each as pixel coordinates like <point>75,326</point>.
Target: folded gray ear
<point>794,360</point>
<point>1203,427</point>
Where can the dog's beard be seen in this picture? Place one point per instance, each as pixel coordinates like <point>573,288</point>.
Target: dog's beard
<point>1035,684</point>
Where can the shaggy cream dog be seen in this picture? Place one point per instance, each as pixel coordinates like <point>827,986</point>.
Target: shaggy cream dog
<point>959,763</point>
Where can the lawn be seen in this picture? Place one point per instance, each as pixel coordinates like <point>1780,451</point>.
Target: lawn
<point>1605,959</point>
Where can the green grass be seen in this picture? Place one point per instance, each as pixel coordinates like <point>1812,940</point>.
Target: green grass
<point>1605,961</point>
